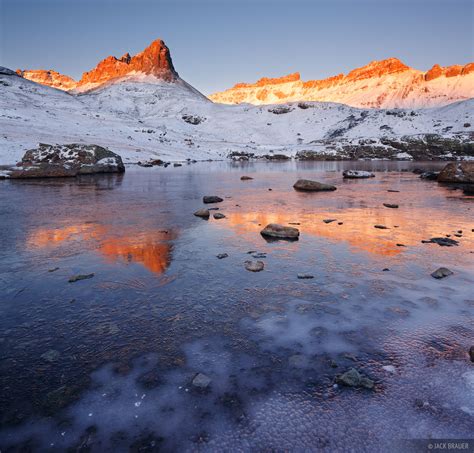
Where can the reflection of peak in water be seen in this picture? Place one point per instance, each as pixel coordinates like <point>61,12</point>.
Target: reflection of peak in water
<point>406,226</point>
<point>153,252</point>
<point>151,248</point>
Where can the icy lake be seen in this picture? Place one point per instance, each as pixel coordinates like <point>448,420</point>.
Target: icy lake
<point>109,362</point>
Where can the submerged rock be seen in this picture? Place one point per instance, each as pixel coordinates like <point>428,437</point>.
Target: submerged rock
<point>462,172</point>
<point>56,161</point>
<point>381,227</point>
<point>203,213</point>
<point>357,174</point>
<point>245,178</point>
<point>212,199</point>
<point>329,220</point>
<point>276,231</point>
<point>50,356</point>
<point>201,381</point>
<point>391,205</point>
<point>307,185</point>
<point>305,276</point>
<point>219,215</point>
<point>441,272</point>
<point>471,353</point>
<point>222,256</point>
<point>353,378</point>
<point>76,278</point>
<point>254,266</point>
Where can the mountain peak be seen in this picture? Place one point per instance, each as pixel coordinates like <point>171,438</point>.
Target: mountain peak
<point>154,60</point>
<point>378,68</point>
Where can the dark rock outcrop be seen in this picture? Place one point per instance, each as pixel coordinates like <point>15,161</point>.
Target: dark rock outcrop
<point>458,172</point>
<point>53,161</point>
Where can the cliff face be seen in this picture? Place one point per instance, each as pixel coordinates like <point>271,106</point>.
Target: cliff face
<point>380,84</point>
<point>50,78</point>
<point>155,60</point>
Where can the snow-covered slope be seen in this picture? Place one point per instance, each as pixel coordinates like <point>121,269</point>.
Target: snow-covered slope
<point>380,84</point>
<point>141,117</point>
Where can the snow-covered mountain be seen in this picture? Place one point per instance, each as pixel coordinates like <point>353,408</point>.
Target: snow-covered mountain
<point>381,84</point>
<point>141,109</point>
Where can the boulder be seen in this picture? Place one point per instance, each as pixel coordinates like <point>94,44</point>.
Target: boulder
<point>203,213</point>
<point>462,172</point>
<point>211,199</point>
<point>306,185</point>
<point>254,266</point>
<point>357,174</point>
<point>276,231</point>
<point>55,161</point>
<point>441,273</point>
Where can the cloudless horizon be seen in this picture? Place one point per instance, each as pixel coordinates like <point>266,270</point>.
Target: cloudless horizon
<point>215,44</point>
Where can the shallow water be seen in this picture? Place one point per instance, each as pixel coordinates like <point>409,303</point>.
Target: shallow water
<point>107,362</point>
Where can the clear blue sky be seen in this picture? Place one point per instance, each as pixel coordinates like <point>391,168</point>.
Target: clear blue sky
<point>216,43</point>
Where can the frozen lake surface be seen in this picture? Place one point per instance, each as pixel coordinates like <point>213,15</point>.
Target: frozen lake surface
<point>108,362</point>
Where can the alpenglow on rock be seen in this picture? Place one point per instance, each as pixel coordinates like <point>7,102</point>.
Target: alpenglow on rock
<point>155,60</point>
<point>55,161</point>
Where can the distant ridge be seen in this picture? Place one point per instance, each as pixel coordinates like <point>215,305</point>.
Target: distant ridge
<point>380,84</point>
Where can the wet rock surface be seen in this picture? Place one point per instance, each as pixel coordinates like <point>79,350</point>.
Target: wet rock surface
<point>276,231</point>
<point>307,185</point>
<point>441,272</point>
<point>203,213</point>
<point>212,199</point>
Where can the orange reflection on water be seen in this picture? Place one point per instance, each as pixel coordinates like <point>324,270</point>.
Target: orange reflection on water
<point>151,249</point>
<point>407,227</point>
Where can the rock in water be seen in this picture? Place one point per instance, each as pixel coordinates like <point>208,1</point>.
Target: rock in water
<point>203,213</point>
<point>471,353</point>
<point>381,227</point>
<point>430,175</point>
<point>55,161</point>
<point>254,266</point>
<point>221,256</point>
<point>201,381</point>
<point>462,172</point>
<point>443,242</point>
<point>76,278</point>
<point>245,178</point>
<point>306,185</point>
<point>211,199</point>
<point>219,215</point>
<point>353,378</point>
<point>305,276</point>
<point>329,220</point>
<point>441,273</point>
<point>357,174</point>
<point>391,205</point>
<point>275,231</point>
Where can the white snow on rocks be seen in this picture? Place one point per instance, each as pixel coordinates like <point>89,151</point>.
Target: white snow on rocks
<point>141,118</point>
